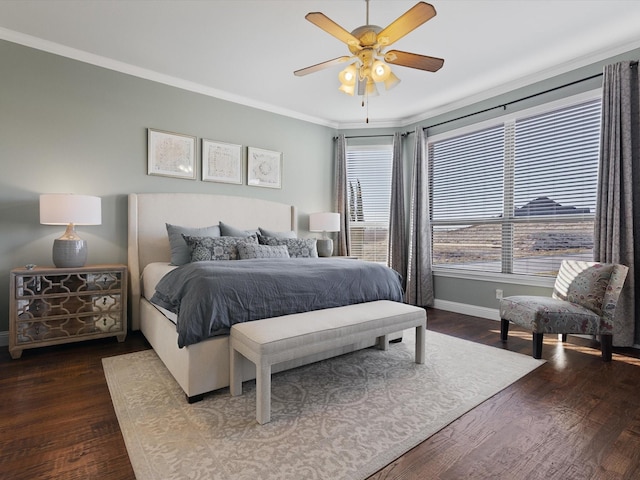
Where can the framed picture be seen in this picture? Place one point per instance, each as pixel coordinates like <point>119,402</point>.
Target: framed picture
<point>221,162</point>
<point>264,168</point>
<point>171,154</point>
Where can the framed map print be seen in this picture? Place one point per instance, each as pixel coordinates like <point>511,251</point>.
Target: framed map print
<point>221,162</point>
<point>264,168</point>
<point>171,154</point>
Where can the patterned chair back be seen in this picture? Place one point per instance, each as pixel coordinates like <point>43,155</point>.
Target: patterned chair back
<point>593,285</point>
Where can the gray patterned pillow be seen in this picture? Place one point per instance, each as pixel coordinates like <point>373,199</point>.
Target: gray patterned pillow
<point>215,248</point>
<point>180,251</point>
<point>251,250</point>
<point>298,247</point>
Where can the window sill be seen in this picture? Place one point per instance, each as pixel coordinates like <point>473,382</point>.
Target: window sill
<point>529,280</point>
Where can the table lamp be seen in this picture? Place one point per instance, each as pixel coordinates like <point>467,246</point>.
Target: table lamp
<point>68,209</point>
<point>324,222</point>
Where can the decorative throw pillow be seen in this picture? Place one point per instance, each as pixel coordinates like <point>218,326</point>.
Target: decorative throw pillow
<point>298,247</point>
<point>271,233</point>
<point>215,248</point>
<point>251,250</point>
<point>227,230</point>
<point>180,251</point>
<point>589,286</point>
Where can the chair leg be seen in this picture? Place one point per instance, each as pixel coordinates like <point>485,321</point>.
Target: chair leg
<point>564,337</point>
<point>504,329</point>
<point>607,347</point>
<point>537,345</point>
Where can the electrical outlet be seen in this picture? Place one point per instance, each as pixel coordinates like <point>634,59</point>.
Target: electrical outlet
<point>498,293</point>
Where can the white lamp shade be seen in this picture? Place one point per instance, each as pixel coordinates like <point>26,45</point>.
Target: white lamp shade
<point>324,222</point>
<point>66,208</point>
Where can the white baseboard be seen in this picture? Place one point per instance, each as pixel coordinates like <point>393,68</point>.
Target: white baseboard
<point>473,310</point>
<point>4,339</point>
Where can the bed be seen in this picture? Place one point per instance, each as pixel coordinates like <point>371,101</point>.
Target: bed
<point>204,366</point>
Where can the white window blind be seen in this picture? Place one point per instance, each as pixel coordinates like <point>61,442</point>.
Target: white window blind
<point>369,189</point>
<point>555,186</point>
<point>467,175</point>
<point>517,197</point>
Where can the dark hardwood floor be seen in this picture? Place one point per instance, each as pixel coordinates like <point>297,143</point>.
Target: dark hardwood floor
<point>575,417</point>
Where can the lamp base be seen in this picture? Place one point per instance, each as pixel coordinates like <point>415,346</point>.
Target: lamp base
<point>325,247</point>
<point>69,253</point>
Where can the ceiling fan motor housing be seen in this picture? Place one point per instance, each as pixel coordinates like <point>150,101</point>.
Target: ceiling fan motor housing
<point>368,36</point>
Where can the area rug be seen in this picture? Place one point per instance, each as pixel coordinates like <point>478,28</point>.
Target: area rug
<point>343,418</point>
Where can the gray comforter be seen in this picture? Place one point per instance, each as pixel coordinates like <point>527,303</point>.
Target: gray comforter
<point>209,297</point>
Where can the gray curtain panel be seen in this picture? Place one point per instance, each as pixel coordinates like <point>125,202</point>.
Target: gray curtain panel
<point>419,274</point>
<point>342,196</point>
<point>397,225</point>
<point>617,220</point>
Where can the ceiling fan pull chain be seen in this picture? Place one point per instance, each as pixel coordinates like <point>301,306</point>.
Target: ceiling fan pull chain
<point>365,99</point>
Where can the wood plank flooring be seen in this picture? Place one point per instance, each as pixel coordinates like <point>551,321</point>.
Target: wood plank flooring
<point>576,417</point>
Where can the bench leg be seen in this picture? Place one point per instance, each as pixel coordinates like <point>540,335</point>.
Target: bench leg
<point>263,393</point>
<point>383,342</point>
<point>421,348</point>
<point>235,372</point>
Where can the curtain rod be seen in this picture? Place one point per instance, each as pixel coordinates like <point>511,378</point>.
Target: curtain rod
<point>503,105</point>
<point>368,136</point>
<point>373,136</point>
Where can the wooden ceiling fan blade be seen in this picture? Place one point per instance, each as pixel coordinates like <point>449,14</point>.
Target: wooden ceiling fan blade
<point>332,28</point>
<point>407,22</point>
<point>413,60</point>
<point>321,66</point>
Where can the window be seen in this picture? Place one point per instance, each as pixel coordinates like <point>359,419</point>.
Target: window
<point>519,196</point>
<point>369,186</point>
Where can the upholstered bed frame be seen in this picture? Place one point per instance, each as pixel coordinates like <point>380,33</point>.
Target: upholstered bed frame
<point>202,367</point>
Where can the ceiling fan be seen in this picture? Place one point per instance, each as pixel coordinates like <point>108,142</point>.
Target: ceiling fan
<point>369,61</point>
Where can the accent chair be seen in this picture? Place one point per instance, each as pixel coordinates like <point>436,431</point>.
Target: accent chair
<point>584,301</point>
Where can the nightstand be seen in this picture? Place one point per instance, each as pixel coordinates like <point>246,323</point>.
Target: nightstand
<point>50,306</point>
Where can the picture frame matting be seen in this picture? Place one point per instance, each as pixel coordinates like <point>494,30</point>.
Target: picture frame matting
<point>221,162</point>
<point>264,168</point>
<point>171,154</point>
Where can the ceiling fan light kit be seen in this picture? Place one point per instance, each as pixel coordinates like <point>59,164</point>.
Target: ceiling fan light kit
<point>369,62</point>
<point>348,75</point>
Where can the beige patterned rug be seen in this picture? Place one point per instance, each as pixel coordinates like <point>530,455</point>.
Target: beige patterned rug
<point>344,418</point>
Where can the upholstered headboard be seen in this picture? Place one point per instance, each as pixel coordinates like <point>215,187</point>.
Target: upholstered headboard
<point>149,212</point>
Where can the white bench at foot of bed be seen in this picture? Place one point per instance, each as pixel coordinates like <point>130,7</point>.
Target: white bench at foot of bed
<point>274,340</point>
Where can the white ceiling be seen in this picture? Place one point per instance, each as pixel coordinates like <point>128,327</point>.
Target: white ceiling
<point>246,50</point>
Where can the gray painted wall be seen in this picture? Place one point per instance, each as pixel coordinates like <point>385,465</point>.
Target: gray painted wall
<point>69,127</point>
